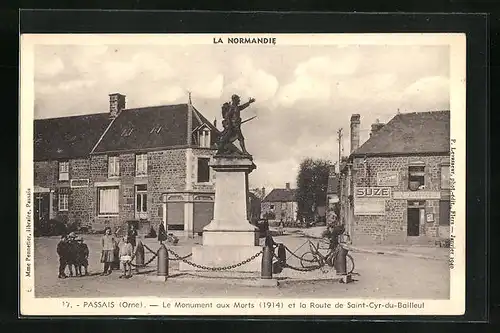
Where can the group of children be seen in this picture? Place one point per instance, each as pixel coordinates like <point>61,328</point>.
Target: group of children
<point>113,250</point>
<point>73,254</point>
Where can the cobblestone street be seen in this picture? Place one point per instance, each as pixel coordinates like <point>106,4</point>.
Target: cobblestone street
<point>379,277</point>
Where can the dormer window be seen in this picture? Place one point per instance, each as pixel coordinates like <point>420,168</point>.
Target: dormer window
<point>127,131</point>
<point>204,138</point>
<point>156,129</point>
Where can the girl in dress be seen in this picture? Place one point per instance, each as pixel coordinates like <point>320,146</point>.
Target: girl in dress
<point>108,244</point>
<point>126,254</point>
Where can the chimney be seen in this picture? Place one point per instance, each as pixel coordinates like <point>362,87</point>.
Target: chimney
<point>116,104</point>
<point>263,192</point>
<point>215,122</point>
<point>355,122</point>
<point>287,186</point>
<point>376,126</point>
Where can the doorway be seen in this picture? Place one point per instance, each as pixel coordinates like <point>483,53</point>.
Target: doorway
<point>415,217</point>
<point>413,222</point>
<point>42,211</point>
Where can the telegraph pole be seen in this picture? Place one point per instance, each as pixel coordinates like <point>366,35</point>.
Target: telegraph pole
<point>339,139</point>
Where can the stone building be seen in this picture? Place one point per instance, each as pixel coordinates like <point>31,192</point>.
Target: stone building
<point>62,167</point>
<point>146,165</point>
<point>279,204</point>
<point>395,187</point>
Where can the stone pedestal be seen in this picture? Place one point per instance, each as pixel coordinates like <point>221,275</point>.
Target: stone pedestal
<point>229,238</point>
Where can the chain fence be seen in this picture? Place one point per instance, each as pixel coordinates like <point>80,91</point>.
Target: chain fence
<point>215,269</point>
<point>320,264</point>
<point>155,254</point>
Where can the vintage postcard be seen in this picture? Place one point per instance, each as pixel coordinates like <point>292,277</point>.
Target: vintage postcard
<point>246,174</point>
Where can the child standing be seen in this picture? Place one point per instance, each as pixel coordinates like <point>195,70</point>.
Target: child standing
<point>62,251</point>
<point>82,257</point>
<point>108,250</point>
<point>126,254</point>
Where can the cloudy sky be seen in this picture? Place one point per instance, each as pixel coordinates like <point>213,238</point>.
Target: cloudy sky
<point>304,93</point>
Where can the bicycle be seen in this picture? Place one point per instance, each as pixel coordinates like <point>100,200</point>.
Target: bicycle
<point>314,257</point>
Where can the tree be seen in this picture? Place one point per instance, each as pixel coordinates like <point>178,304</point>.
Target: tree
<point>312,184</point>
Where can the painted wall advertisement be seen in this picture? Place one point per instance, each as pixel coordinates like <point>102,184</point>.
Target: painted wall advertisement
<point>370,200</point>
<point>387,178</point>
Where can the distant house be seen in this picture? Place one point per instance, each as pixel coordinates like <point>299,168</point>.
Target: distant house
<point>149,164</point>
<point>332,197</point>
<point>279,204</point>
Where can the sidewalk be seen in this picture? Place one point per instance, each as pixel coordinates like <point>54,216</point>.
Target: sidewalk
<point>416,251</point>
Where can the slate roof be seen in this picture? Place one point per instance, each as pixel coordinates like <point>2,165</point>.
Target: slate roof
<point>333,182</point>
<point>280,195</point>
<point>410,133</point>
<point>148,127</point>
<point>154,127</point>
<point>68,137</point>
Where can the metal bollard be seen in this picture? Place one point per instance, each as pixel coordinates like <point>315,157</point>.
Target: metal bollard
<point>340,261</point>
<point>139,255</point>
<point>267,263</point>
<point>282,252</point>
<point>162,261</point>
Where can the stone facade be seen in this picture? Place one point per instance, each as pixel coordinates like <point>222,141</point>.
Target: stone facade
<point>391,226</point>
<point>166,170</point>
<point>46,180</point>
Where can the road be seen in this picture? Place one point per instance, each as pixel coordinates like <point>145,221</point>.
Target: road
<point>379,277</point>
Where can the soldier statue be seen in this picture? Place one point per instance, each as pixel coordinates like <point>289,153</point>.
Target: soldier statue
<point>232,126</point>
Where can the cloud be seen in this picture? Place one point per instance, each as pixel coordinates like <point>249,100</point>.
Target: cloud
<point>315,79</point>
<point>428,93</point>
<point>64,86</point>
<point>326,66</point>
<point>48,68</point>
<point>211,88</point>
<point>252,81</point>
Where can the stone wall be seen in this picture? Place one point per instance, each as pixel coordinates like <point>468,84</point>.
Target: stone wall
<point>195,154</point>
<point>166,172</point>
<point>46,174</point>
<point>392,227</point>
<point>79,197</point>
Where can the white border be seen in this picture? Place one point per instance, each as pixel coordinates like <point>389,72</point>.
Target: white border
<point>38,306</point>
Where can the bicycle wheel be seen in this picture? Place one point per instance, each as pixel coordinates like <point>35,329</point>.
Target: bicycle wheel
<point>349,264</point>
<point>308,260</point>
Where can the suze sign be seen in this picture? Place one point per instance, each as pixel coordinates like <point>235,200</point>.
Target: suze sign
<point>372,192</point>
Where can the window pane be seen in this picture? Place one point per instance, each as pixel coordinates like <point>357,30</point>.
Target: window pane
<point>144,202</point>
<point>203,170</point>
<point>142,187</point>
<point>108,201</point>
<point>138,203</point>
